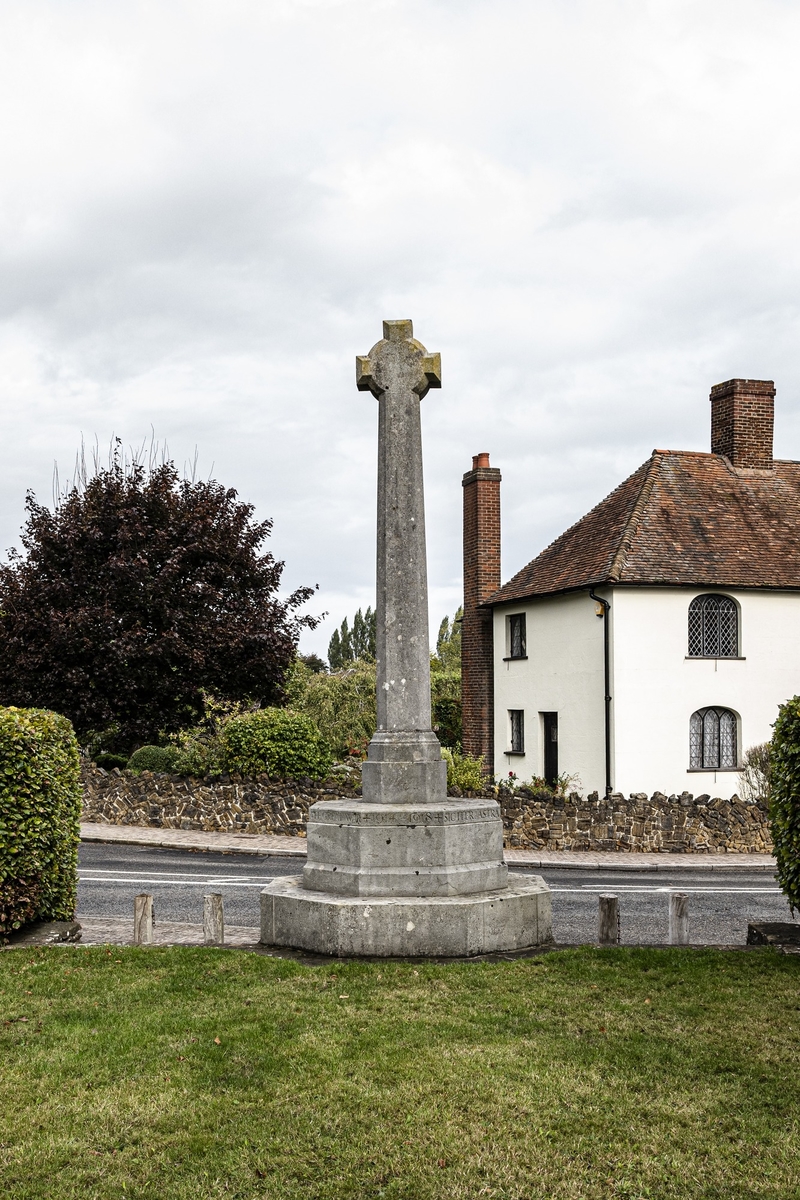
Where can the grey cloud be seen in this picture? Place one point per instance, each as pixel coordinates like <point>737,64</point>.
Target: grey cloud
<point>222,208</point>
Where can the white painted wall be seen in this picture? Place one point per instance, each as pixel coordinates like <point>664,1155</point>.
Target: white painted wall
<point>563,673</point>
<point>656,687</point>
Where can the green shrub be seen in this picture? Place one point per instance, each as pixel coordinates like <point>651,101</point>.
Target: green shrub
<point>154,758</point>
<point>446,721</point>
<point>464,772</point>
<point>40,809</point>
<point>343,708</point>
<point>340,705</point>
<point>446,700</point>
<point>275,740</point>
<point>199,750</point>
<point>784,801</point>
<point>109,761</point>
<point>754,777</point>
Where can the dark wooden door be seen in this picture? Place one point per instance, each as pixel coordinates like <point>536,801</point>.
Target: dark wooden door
<point>550,747</point>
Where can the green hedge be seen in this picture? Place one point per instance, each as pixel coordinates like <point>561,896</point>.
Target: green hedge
<point>154,758</point>
<point>278,741</point>
<point>784,802</point>
<point>40,809</point>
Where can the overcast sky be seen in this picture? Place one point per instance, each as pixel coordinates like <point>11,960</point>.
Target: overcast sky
<point>589,207</point>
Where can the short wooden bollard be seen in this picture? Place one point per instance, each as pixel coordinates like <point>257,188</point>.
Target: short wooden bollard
<point>213,920</point>
<point>608,919</point>
<point>678,919</point>
<point>143,920</point>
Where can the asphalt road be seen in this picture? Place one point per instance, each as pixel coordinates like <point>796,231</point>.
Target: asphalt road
<point>721,904</point>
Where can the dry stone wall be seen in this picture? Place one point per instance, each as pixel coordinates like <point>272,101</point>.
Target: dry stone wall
<point>638,823</point>
<point>221,803</point>
<point>677,824</point>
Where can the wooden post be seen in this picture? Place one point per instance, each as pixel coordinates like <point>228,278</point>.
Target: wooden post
<point>678,919</point>
<point>213,920</point>
<point>143,920</point>
<point>608,919</point>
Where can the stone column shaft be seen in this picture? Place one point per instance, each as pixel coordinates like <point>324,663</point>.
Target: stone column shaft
<point>404,762</point>
<point>403,654</point>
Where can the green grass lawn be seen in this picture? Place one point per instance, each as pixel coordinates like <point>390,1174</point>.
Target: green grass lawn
<point>172,1073</point>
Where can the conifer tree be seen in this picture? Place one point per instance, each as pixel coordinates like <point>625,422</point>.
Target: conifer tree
<point>335,651</point>
<point>353,645</point>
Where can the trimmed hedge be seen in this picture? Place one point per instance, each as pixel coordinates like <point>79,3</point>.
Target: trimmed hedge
<point>282,743</point>
<point>153,758</point>
<point>40,808</point>
<point>784,802</point>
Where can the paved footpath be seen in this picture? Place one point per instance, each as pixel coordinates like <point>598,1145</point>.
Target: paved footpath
<point>259,843</point>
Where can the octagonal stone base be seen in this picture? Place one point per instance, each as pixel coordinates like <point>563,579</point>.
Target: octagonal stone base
<point>510,918</point>
<point>451,848</point>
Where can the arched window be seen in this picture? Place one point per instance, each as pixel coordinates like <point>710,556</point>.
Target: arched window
<point>713,627</point>
<point>712,739</point>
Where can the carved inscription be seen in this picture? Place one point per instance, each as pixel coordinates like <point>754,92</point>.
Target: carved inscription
<point>375,815</point>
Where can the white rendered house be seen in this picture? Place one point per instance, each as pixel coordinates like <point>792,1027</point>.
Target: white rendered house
<point>650,645</point>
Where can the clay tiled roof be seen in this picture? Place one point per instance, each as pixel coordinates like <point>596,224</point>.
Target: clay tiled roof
<point>682,519</point>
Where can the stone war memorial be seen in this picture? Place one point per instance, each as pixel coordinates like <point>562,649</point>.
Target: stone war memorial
<point>403,869</point>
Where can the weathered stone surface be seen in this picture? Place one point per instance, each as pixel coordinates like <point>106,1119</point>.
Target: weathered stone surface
<point>669,824</point>
<point>511,918</point>
<point>44,933</point>
<point>404,761</point>
<point>253,805</point>
<point>363,849</point>
<point>773,933</point>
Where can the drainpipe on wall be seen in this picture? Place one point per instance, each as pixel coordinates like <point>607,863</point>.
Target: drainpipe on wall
<point>607,680</point>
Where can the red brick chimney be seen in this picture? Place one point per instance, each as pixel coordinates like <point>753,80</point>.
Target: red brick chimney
<point>742,415</point>
<point>481,579</point>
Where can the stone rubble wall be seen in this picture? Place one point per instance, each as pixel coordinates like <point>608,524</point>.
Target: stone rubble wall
<point>638,823</point>
<point>216,804</point>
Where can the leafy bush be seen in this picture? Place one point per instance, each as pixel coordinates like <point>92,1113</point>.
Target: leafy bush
<point>463,772</point>
<point>40,808</point>
<point>343,708</point>
<point>784,803</point>
<point>199,750</point>
<point>754,778</point>
<point>109,761</point>
<point>446,700</point>
<point>446,721</point>
<point>277,741</point>
<point>154,758</point>
<point>341,705</point>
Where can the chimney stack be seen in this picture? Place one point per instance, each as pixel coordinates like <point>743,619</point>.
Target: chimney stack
<point>742,416</point>
<point>481,580</point>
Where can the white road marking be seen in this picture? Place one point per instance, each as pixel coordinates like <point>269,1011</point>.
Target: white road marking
<point>174,879</point>
<point>194,881</point>
<point>631,890</point>
<point>97,873</point>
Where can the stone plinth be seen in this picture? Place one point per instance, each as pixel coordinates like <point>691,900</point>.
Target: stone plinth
<point>510,918</point>
<point>363,849</point>
<point>403,768</point>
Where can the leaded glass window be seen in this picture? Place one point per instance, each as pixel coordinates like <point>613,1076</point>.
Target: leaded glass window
<point>516,629</point>
<point>713,627</point>
<point>712,739</point>
<point>517,721</point>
